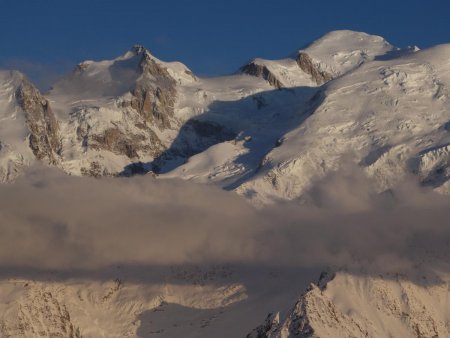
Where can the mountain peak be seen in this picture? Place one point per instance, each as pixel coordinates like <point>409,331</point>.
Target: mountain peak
<point>348,36</point>
<point>340,51</point>
<point>136,50</point>
<point>139,49</point>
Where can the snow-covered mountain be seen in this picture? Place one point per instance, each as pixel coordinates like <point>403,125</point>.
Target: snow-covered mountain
<point>390,116</point>
<point>271,132</point>
<point>335,54</point>
<point>136,114</point>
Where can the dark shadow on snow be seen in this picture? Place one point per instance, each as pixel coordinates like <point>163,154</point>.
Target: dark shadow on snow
<point>259,120</point>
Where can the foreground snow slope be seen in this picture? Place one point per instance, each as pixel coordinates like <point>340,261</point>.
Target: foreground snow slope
<point>225,301</point>
<point>345,305</point>
<point>193,301</point>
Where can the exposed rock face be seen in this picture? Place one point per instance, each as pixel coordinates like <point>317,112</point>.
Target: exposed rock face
<point>130,135</point>
<point>44,137</point>
<point>155,92</point>
<point>432,165</point>
<point>262,69</point>
<point>95,169</point>
<point>306,64</point>
<point>270,324</point>
<point>114,140</point>
<point>255,69</point>
<point>139,106</point>
<point>14,165</point>
<point>42,316</point>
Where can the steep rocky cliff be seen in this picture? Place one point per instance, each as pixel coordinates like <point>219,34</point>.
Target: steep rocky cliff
<point>115,112</point>
<point>45,139</point>
<point>306,64</point>
<point>260,70</point>
<point>154,92</point>
<point>29,129</point>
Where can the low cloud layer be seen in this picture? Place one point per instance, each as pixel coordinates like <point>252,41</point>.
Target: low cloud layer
<point>50,220</point>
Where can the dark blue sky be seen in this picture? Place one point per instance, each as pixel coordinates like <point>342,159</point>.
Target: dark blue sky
<point>211,37</point>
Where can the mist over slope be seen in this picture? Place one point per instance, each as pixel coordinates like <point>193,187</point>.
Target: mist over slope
<point>50,220</point>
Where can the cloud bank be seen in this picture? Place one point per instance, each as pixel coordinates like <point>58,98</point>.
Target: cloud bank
<point>52,221</point>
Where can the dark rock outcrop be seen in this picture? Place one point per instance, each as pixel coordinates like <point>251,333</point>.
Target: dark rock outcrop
<point>116,141</point>
<point>261,71</point>
<point>45,141</point>
<point>306,64</point>
<point>271,324</point>
<point>117,138</point>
